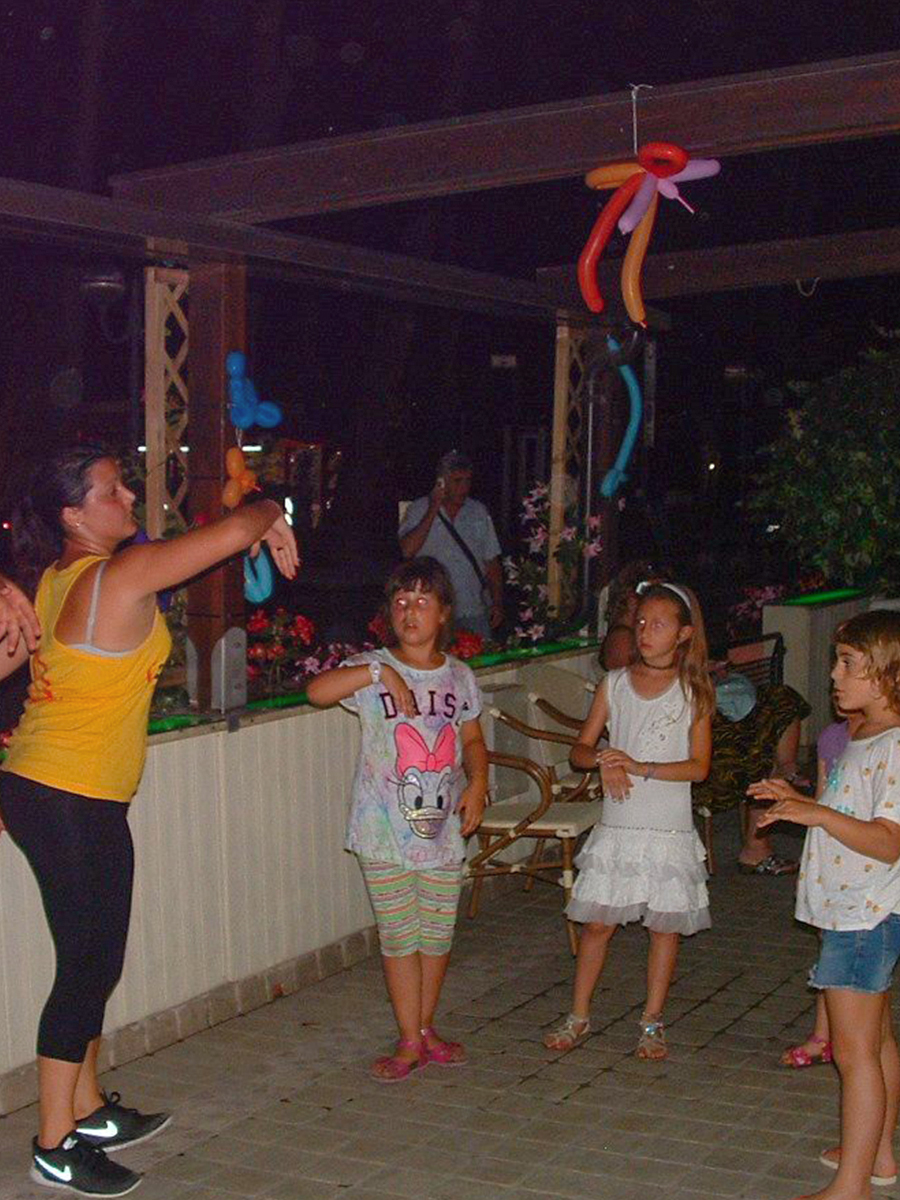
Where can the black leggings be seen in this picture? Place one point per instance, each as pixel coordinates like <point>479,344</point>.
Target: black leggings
<point>82,856</point>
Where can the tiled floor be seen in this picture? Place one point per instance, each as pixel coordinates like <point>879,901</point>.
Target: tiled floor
<point>279,1103</point>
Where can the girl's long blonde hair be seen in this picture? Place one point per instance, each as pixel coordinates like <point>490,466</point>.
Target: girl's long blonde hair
<point>693,653</point>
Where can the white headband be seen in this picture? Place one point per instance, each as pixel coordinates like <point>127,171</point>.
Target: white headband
<point>671,587</point>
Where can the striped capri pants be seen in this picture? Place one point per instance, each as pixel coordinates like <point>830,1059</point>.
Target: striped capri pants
<point>415,910</point>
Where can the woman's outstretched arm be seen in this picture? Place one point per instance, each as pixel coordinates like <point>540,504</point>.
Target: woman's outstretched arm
<point>146,569</point>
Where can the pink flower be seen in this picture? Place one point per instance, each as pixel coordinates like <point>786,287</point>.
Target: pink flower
<point>526,614</point>
<point>542,592</point>
<point>310,665</point>
<point>593,523</point>
<point>592,549</point>
<point>536,632</point>
<point>567,534</point>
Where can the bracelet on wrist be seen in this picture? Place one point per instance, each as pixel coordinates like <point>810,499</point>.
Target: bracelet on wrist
<point>375,670</point>
<point>649,770</point>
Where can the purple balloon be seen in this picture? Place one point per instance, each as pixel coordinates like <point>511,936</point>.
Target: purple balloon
<point>632,215</point>
<point>697,168</point>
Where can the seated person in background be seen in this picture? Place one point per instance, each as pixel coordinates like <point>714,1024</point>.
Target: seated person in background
<point>764,735</point>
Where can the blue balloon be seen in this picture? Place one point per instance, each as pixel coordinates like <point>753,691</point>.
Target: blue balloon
<point>268,415</point>
<point>246,407</point>
<point>236,363</point>
<point>259,582</point>
<point>615,476</point>
<point>242,416</point>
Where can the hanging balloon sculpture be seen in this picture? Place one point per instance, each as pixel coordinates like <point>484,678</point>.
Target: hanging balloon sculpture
<point>615,476</point>
<point>660,167</point>
<point>247,409</point>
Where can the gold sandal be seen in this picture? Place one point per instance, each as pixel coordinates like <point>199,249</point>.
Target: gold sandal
<point>573,1031</point>
<point>652,1042</point>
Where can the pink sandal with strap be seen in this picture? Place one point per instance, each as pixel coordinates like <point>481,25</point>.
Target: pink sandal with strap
<point>797,1057</point>
<point>444,1054</point>
<point>392,1068</point>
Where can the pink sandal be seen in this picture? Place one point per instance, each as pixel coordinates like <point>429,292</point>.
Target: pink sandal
<point>392,1068</point>
<point>796,1057</point>
<point>444,1054</point>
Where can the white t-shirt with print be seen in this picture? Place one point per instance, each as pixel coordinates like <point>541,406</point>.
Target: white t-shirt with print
<point>838,888</point>
<point>410,773</point>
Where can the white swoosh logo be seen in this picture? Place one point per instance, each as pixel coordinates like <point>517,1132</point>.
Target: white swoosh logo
<point>63,1173</point>
<point>110,1129</point>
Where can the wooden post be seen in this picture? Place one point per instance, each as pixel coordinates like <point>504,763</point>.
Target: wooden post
<point>217,323</point>
<point>561,389</point>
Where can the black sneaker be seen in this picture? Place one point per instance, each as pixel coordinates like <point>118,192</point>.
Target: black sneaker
<point>113,1126</point>
<point>78,1167</point>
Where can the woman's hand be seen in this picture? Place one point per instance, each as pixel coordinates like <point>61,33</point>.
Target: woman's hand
<point>281,541</point>
<point>17,618</point>
<point>471,809</point>
<point>616,783</point>
<point>399,690</point>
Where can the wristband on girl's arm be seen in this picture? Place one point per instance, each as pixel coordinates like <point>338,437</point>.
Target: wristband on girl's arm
<point>649,770</point>
<point>375,670</point>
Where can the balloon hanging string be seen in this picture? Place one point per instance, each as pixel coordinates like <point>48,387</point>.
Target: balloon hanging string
<point>807,292</point>
<point>635,88</point>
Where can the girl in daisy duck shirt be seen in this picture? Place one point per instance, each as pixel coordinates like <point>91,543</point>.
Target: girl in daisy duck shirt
<point>419,790</point>
<point>849,886</point>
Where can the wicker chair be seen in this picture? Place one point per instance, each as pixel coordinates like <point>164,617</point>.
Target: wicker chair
<point>554,814</point>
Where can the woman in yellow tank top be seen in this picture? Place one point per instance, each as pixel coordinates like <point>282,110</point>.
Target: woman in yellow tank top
<point>76,758</point>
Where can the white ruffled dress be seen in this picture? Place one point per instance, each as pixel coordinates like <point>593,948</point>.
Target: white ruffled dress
<point>644,860</point>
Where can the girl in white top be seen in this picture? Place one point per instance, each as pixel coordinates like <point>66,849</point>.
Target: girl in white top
<point>849,886</point>
<point>644,861</point>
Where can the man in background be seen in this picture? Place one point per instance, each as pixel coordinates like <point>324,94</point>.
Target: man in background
<point>458,531</point>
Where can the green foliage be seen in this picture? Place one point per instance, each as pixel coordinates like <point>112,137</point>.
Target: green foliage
<point>832,479</point>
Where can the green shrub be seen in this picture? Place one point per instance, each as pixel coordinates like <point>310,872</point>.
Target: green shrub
<point>831,481</point>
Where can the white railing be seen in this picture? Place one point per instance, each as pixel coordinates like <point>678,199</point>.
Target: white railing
<point>240,867</point>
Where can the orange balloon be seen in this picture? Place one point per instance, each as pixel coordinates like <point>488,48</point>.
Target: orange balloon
<point>234,462</point>
<point>232,493</point>
<point>634,261</point>
<point>613,175</point>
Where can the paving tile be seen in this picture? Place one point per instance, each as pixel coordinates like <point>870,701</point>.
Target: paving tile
<point>283,1098</point>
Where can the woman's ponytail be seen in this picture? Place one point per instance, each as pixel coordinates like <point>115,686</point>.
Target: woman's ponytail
<point>37,531</point>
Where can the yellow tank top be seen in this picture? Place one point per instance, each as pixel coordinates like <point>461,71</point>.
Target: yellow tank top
<point>84,728</point>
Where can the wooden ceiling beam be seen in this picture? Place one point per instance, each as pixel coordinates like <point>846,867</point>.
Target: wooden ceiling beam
<point>101,226</point>
<point>731,268</point>
<point>736,114</point>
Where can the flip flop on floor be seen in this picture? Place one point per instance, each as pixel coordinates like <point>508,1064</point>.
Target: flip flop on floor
<point>876,1180</point>
<point>773,864</point>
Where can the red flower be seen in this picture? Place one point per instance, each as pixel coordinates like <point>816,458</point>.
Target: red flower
<point>303,629</point>
<point>378,628</point>
<point>258,623</point>
<point>467,644</point>
<point>256,652</point>
<point>275,652</point>
<point>253,672</point>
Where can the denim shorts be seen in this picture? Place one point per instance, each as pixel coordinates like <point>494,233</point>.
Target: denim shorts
<point>860,960</point>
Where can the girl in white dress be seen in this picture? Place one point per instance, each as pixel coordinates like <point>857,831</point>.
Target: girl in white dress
<point>644,861</point>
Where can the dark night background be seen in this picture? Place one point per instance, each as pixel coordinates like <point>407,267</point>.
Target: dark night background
<point>101,87</point>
